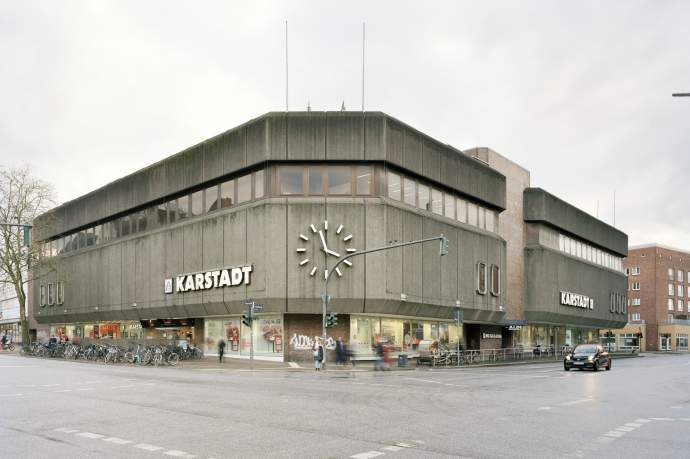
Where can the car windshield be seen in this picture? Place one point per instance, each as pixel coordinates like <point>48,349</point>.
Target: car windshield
<point>585,349</point>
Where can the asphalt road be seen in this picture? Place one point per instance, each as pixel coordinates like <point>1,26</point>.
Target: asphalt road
<point>56,409</point>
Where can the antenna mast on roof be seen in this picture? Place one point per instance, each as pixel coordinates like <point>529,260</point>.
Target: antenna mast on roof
<point>286,65</point>
<point>363,42</point>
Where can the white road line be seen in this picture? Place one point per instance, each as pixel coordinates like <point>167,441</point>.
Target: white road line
<point>148,447</point>
<point>367,455</point>
<point>86,388</point>
<point>176,453</point>
<point>90,435</point>
<point>544,408</point>
<point>575,402</point>
<point>634,424</point>
<point>625,429</point>
<point>11,395</point>
<point>63,390</point>
<point>117,441</point>
<point>614,434</point>
<point>405,445</point>
<point>50,385</point>
<point>392,448</point>
<point>66,430</point>
<point>124,387</point>
<point>643,420</point>
<point>684,419</point>
<point>27,385</point>
<point>418,441</point>
<point>661,419</point>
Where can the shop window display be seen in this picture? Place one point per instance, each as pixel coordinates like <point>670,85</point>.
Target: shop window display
<point>268,336</point>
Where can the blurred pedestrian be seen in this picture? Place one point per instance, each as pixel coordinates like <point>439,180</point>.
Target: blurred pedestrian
<point>340,352</point>
<point>378,364</point>
<point>318,355</point>
<point>221,349</point>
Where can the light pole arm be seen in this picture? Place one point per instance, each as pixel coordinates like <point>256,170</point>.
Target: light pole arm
<point>354,254</point>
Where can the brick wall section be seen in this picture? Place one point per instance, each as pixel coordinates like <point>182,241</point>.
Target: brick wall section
<point>310,325</point>
<point>654,262</point>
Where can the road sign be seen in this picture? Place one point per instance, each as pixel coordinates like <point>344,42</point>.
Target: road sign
<point>326,298</point>
<point>257,307</point>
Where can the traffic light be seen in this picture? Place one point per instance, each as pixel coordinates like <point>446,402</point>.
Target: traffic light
<point>247,319</point>
<point>443,248</point>
<point>331,320</point>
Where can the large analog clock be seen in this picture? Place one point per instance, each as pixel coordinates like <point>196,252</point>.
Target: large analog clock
<point>332,243</point>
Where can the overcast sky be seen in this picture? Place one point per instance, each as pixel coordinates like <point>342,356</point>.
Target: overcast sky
<point>579,93</point>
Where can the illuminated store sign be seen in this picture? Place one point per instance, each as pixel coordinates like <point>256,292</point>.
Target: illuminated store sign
<point>491,336</point>
<point>576,300</point>
<point>206,280</point>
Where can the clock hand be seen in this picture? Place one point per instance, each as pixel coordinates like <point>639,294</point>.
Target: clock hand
<point>335,254</point>
<point>323,241</point>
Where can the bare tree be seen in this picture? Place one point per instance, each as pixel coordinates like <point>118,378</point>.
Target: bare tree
<point>22,198</point>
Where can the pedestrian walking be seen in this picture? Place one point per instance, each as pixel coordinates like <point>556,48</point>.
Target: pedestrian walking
<point>340,352</point>
<point>318,355</point>
<point>221,349</point>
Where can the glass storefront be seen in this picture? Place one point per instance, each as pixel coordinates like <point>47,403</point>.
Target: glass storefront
<point>553,336</point>
<point>268,336</point>
<point>402,334</point>
<point>126,330</point>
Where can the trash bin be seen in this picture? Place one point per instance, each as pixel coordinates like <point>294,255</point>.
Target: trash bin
<point>402,360</point>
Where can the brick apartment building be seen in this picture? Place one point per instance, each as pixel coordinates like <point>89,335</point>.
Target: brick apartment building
<point>658,282</point>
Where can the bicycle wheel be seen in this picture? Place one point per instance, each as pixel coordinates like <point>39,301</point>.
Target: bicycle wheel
<point>129,357</point>
<point>146,358</point>
<point>173,358</point>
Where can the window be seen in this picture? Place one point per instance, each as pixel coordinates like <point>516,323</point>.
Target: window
<point>423,196</point>
<point>636,316</point>
<point>481,278</point>
<point>495,280</point>
<point>436,202</point>
<point>227,194</point>
<point>394,186</point>
<point>480,216</point>
<point>61,243</point>
<point>490,220</point>
<point>244,189</point>
<point>680,275</point>
<point>682,341</point>
<point>340,180</point>
<point>472,214</point>
<point>670,317</point>
<point>60,292</point>
<point>43,295</point>
<point>182,207</point>
<point>680,305</point>
<point>291,180</point>
<point>670,304</point>
<point>561,243</point>
<point>409,192</point>
<point>635,285</point>
<point>197,204</point>
<point>462,210</point>
<point>51,294</point>
<point>211,198</point>
<point>259,186</point>
<point>449,206</point>
<point>125,227</point>
<point>141,222</point>
<point>316,180</point>
<point>670,273</point>
<point>680,290</point>
<point>160,214</point>
<point>670,289</point>
<point>579,249</point>
<point>172,211</point>
<point>636,301</point>
<point>363,179</point>
<point>635,271</point>
<point>97,232</point>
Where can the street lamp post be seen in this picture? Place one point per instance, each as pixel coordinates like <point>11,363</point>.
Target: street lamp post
<point>443,250</point>
<point>680,94</point>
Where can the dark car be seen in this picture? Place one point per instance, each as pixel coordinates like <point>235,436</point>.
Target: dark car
<point>592,356</point>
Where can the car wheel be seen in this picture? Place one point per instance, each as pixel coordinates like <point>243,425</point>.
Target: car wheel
<point>608,366</point>
<point>596,366</point>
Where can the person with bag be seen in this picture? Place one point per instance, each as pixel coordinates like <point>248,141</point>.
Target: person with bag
<point>221,349</point>
<point>318,355</point>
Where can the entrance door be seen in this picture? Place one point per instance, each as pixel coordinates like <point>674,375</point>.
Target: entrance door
<point>665,343</point>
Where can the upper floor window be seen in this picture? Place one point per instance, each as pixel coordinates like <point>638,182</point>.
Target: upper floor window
<point>51,294</point>
<point>259,185</point>
<point>461,210</point>
<point>436,201</point>
<point>670,304</point>
<point>680,305</point>
<point>291,180</point>
<point>362,180</point>
<point>635,270</point>
<point>636,301</point>
<point>490,220</point>
<point>680,290</point>
<point>472,214</point>
<point>670,290</point>
<point>635,286</point>
<point>481,278</point>
<point>211,197</point>
<point>43,295</point>
<point>423,196</point>
<point>244,189</point>
<point>409,191</point>
<point>340,181</point>
<point>60,292</point>
<point>394,186</point>
<point>495,280</point>
<point>635,316</point>
<point>670,273</point>
<point>680,275</point>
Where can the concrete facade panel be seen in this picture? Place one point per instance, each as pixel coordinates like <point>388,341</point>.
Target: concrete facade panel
<point>306,136</point>
<point>345,136</point>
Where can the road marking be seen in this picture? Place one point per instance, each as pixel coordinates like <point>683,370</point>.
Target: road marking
<point>124,387</point>
<point>575,402</point>
<point>367,455</point>
<point>117,441</point>
<point>27,385</point>
<point>684,419</point>
<point>66,430</point>
<point>405,445</point>
<point>418,441</point>
<point>677,407</point>
<point>50,385</point>
<point>661,419</point>
<point>11,395</point>
<point>633,424</point>
<point>544,408</point>
<point>294,365</point>
<point>625,429</point>
<point>392,448</point>
<point>90,435</point>
<point>614,433</point>
<point>177,453</point>
<point>642,420</point>
<point>86,388</point>
<point>63,390</point>
<point>148,447</point>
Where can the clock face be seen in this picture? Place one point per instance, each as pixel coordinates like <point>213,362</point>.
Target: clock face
<point>333,242</point>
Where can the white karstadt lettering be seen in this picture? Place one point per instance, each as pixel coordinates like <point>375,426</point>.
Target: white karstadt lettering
<point>217,278</point>
<point>576,300</point>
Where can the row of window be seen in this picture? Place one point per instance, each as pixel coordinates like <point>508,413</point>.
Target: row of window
<point>587,252</point>
<point>321,180</point>
<point>219,196</point>
<point>677,290</point>
<point>52,294</point>
<point>635,317</point>
<point>494,279</point>
<point>423,196</point>
<point>677,304</point>
<point>681,275</point>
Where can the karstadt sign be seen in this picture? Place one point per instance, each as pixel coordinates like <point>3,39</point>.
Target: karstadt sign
<point>576,300</point>
<point>206,280</point>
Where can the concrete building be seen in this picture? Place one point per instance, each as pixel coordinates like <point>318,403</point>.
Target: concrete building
<point>174,250</point>
<point>659,299</point>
